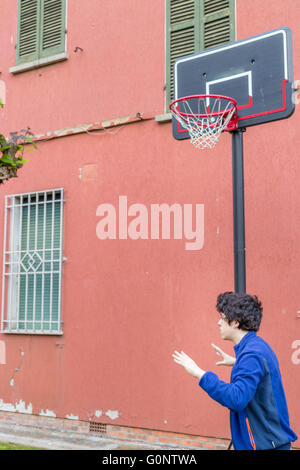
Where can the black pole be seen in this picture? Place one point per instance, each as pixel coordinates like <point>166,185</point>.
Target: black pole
<point>238,211</point>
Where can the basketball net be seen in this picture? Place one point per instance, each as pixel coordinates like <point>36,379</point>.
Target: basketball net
<point>205,117</point>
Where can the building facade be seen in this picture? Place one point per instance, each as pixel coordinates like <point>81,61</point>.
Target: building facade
<point>116,238</point>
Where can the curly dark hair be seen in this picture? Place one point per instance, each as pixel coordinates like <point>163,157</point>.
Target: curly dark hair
<point>244,308</point>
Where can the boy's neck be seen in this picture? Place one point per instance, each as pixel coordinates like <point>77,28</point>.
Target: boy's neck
<point>239,335</point>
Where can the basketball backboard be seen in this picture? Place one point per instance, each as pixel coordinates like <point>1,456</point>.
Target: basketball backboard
<point>257,72</point>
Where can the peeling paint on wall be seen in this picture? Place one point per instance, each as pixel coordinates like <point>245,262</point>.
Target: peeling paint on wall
<point>2,92</point>
<point>118,122</point>
<point>12,379</point>
<point>48,413</point>
<point>6,406</point>
<point>88,172</point>
<point>112,414</point>
<point>73,130</point>
<point>20,407</point>
<point>98,413</point>
<point>72,416</point>
<point>2,343</point>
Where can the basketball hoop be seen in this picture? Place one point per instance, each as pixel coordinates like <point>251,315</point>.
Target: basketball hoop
<point>205,117</point>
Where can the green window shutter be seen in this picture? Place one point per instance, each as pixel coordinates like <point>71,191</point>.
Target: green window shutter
<point>28,26</point>
<point>181,35</point>
<point>217,22</point>
<point>195,25</point>
<point>52,31</point>
<point>41,29</point>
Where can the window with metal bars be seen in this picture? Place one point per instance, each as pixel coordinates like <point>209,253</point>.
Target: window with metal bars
<point>41,29</point>
<point>195,25</point>
<point>32,263</point>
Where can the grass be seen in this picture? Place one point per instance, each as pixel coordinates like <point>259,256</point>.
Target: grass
<point>9,446</point>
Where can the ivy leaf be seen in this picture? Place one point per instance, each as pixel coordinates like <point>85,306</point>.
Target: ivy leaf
<point>30,141</point>
<point>21,162</point>
<point>2,139</point>
<point>7,159</point>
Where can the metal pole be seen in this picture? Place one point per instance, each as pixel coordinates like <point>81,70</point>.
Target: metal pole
<point>238,211</point>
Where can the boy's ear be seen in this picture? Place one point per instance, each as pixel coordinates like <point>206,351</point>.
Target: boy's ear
<point>235,324</point>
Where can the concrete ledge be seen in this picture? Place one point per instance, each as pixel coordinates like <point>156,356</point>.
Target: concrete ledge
<point>39,63</point>
<point>162,118</point>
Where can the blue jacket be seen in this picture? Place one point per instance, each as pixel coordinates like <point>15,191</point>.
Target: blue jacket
<point>258,411</point>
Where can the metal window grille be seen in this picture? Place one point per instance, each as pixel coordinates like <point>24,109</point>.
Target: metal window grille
<point>32,263</point>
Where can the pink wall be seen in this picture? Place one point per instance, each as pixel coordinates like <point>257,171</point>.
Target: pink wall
<point>127,304</point>
<point>116,74</point>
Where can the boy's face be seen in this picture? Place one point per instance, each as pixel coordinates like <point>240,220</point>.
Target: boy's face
<point>227,330</point>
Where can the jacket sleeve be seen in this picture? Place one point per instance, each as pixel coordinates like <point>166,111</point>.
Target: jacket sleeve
<point>237,394</point>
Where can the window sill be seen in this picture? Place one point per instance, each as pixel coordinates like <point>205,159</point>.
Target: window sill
<point>29,332</point>
<point>162,118</point>
<point>39,63</point>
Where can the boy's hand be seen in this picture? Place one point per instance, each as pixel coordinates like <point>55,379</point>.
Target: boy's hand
<point>226,359</point>
<point>188,364</point>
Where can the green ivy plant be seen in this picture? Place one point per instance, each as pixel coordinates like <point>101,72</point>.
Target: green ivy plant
<point>12,151</point>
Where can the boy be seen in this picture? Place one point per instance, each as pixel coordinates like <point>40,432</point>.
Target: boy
<point>258,411</point>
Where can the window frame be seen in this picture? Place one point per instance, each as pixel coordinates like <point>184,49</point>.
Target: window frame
<point>39,59</point>
<point>14,260</point>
